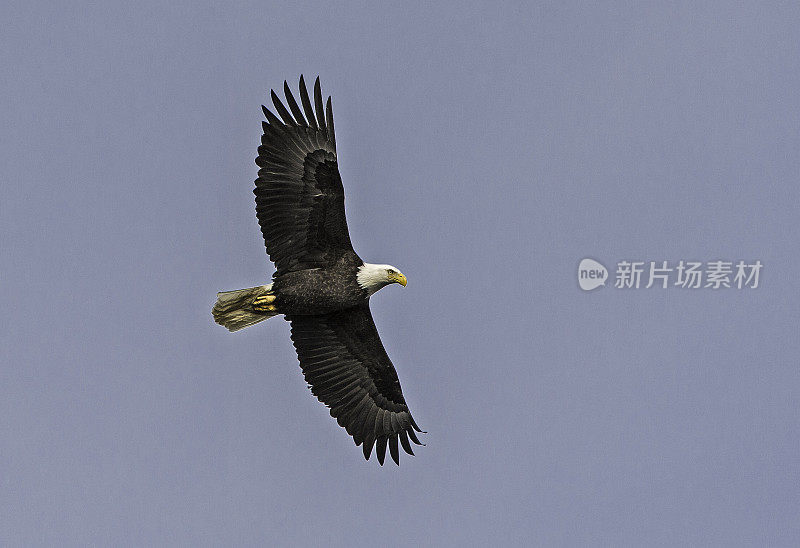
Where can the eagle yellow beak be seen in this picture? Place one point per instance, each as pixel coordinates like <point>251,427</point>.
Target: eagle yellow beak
<point>398,278</point>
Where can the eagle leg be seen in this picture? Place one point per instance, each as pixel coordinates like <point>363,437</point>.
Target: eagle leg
<point>264,304</point>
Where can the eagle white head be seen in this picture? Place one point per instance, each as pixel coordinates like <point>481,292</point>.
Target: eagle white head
<point>372,277</point>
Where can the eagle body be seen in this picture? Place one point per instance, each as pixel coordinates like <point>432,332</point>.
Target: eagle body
<point>320,285</point>
<point>319,290</point>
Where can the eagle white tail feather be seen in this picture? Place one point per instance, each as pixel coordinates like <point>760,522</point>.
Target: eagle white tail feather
<point>234,309</point>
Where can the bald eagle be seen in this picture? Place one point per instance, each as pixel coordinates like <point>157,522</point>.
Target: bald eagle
<point>321,286</point>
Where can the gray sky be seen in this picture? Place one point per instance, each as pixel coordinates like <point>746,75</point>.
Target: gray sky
<point>484,152</point>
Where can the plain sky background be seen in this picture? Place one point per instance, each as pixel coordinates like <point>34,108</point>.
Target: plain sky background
<point>485,150</point>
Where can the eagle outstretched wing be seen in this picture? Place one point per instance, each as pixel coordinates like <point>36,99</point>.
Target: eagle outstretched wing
<point>299,193</point>
<point>345,364</point>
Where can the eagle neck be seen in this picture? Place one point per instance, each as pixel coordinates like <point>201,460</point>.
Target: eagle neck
<point>371,277</point>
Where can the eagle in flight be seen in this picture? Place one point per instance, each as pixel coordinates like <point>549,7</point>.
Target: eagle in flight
<point>321,286</point>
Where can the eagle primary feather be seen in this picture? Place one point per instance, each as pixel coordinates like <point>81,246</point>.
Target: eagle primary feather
<point>321,285</point>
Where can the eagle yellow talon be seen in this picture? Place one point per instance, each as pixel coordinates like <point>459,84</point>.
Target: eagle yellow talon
<point>264,303</point>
